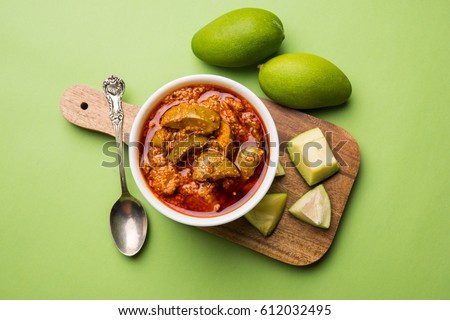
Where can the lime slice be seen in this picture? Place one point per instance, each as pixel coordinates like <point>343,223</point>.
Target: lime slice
<point>280,170</point>
<point>312,156</point>
<point>267,213</point>
<point>313,208</point>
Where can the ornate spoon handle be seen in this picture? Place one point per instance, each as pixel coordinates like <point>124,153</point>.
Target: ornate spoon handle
<point>114,87</point>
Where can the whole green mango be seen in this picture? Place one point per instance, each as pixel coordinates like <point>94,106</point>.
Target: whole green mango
<point>304,81</point>
<point>239,38</point>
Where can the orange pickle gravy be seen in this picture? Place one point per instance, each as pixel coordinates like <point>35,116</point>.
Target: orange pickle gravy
<point>173,183</point>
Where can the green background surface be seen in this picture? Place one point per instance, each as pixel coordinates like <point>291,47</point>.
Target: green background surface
<point>55,243</point>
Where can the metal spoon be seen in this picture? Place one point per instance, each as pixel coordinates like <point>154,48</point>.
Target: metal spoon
<point>128,220</point>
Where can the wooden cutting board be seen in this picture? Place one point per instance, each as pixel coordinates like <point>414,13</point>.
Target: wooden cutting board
<point>293,241</point>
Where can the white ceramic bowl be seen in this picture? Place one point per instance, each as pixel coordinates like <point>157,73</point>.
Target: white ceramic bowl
<point>140,121</point>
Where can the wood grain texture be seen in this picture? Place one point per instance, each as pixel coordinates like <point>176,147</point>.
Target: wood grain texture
<point>293,241</point>
<point>87,108</point>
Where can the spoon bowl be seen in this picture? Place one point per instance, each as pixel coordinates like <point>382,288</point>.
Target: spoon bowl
<point>128,225</point>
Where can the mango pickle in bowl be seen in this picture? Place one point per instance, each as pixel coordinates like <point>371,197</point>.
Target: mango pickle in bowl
<point>203,150</point>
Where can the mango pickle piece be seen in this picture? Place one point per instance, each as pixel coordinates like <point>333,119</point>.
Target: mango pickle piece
<point>161,137</point>
<point>213,166</point>
<point>183,147</point>
<point>191,117</point>
<point>225,137</point>
<point>248,159</point>
<point>267,213</point>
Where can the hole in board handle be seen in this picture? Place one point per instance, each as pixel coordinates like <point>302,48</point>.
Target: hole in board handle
<point>84,105</point>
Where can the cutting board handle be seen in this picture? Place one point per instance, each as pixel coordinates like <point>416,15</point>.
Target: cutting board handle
<point>87,108</point>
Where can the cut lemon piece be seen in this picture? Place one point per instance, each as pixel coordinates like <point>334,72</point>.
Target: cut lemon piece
<point>267,213</point>
<point>312,156</point>
<point>314,208</point>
